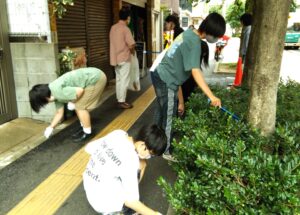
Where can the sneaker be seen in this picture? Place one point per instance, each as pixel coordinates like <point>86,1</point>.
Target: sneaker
<point>124,105</point>
<point>169,157</point>
<point>77,133</point>
<point>82,137</point>
<point>128,211</point>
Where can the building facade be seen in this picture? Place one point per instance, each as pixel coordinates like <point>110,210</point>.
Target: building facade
<point>31,49</point>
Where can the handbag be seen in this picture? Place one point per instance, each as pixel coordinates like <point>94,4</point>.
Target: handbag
<point>134,83</point>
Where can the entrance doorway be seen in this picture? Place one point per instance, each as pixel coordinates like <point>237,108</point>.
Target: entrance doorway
<point>8,106</point>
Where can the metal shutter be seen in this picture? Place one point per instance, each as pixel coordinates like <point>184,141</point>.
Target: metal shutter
<point>99,21</point>
<point>87,24</point>
<point>71,29</point>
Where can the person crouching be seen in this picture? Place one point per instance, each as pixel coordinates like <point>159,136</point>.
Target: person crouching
<point>116,165</point>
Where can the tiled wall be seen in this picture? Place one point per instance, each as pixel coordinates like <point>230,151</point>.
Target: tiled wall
<point>33,63</point>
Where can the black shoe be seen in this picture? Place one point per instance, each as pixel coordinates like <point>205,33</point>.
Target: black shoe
<point>82,137</point>
<point>77,133</point>
<point>127,211</point>
<point>124,105</point>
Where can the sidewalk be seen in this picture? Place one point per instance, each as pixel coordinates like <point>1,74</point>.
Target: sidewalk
<point>21,135</point>
<point>47,179</point>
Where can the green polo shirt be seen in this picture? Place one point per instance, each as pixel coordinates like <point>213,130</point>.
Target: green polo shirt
<point>64,88</point>
<point>183,55</point>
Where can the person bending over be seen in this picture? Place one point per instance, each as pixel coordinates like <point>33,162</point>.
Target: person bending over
<point>80,88</point>
<point>180,61</point>
<point>117,163</point>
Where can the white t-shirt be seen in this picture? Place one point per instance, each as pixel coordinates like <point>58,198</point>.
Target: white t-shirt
<point>157,60</point>
<point>110,177</point>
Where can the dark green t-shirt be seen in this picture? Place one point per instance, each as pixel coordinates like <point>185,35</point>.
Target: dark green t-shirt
<point>183,55</point>
<point>64,88</point>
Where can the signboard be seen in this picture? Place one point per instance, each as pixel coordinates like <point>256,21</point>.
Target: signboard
<point>184,21</point>
<point>28,17</point>
<point>140,3</point>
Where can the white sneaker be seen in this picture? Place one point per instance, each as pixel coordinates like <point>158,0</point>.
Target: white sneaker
<point>169,157</point>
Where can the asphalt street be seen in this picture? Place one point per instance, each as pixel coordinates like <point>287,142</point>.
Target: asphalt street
<point>290,65</point>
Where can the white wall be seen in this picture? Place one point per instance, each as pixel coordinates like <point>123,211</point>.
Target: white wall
<point>28,17</point>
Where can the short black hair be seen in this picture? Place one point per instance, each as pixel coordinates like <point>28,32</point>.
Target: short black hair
<point>214,24</point>
<point>204,53</point>
<point>124,13</point>
<point>154,137</point>
<point>38,96</point>
<point>174,19</point>
<point>246,19</point>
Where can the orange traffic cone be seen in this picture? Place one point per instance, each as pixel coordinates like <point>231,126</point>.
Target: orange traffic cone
<point>239,73</point>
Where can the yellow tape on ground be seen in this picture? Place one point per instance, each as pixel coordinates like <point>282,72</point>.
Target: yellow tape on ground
<point>52,192</point>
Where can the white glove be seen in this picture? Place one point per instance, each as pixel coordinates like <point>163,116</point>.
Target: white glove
<point>71,106</point>
<point>48,132</point>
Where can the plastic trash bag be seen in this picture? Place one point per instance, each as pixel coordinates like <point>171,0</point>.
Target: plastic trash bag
<point>134,83</point>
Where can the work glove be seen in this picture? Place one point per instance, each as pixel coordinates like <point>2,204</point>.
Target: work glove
<point>71,106</point>
<point>48,132</point>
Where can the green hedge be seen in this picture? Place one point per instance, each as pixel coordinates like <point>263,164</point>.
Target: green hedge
<point>224,167</point>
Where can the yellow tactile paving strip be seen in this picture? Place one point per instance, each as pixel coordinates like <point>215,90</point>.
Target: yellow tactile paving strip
<point>51,193</point>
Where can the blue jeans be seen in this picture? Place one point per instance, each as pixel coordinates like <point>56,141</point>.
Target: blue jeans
<point>166,100</point>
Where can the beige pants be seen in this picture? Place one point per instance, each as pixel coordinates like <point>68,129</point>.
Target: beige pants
<point>122,80</point>
<point>92,94</point>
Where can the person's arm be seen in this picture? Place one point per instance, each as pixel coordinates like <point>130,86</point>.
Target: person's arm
<point>58,116</point>
<point>198,77</point>
<point>129,41</point>
<point>246,40</point>
<point>180,101</point>
<point>79,92</point>
<point>143,165</point>
<point>132,49</point>
<point>140,208</point>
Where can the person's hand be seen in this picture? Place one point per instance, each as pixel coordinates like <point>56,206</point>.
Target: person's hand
<point>48,132</point>
<point>71,106</point>
<point>180,109</point>
<point>215,101</point>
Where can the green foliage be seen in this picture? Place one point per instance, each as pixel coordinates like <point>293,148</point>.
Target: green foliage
<point>233,14</point>
<point>293,6</point>
<point>216,9</point>
<point>249,4</point>
<point>196,1</point>
<point>288,99</point>
<point>66,59</point>
<point>59,6</point>
<point>225,167</point>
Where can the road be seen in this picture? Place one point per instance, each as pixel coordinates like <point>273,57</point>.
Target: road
<point>290,65</point>
<point>290,60</point>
